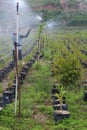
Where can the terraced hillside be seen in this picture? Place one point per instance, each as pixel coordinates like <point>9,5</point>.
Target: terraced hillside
<point>73,13</point>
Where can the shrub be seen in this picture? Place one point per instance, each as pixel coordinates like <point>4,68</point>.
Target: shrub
<point>67,69</point>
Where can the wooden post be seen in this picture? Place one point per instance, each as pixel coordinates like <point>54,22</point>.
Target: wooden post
<point>47,36</point>
<point>17,82</point>
<point>38,50</point>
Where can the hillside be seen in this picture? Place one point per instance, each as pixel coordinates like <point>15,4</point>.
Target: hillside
<point>71,13</point>
<point>37,102</point>
<point>52,76</point>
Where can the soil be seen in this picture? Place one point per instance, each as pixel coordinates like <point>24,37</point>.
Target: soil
<point>41,118</point>
<point>4,84</point>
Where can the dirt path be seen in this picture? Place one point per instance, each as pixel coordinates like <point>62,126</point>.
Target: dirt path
<point>4,84</point>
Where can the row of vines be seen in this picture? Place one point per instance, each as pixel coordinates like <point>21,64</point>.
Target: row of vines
<point>67,53</point>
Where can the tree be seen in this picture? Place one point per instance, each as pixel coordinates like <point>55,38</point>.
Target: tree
<point>67,68</point>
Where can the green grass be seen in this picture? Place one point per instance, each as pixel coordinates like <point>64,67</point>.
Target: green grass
<point>36,102</point>
<point>36,107</point>
<point>3,128</point>
<point>0,88</point>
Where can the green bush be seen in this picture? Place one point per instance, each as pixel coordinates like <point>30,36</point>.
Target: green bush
<point>47,53</point>
<point>78,18</point>
<point>55,2</point>
<point>47,15</point>
<point>73,3</point>
<point>67,69</point>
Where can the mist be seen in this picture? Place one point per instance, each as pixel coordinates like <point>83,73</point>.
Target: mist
<point>8,16</point>
<point>8,23</point>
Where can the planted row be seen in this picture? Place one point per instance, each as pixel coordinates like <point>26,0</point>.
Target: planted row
<point>8,95</point>
<point>59,103</point>
<point>6,70</point>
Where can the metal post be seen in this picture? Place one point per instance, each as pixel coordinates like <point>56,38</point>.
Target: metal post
<point>19,103</point>
<point>16,59</point>
<point>17,26</point>
<point>17,80</point>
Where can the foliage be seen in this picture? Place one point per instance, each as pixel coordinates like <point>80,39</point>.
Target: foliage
<point>66,64</point>
<point>61,94</point>
<point>0,88</point>
<point>40,29</point>
<point>35,100</point>
<point>35,93</point>
<point>55,2</point>
<point>47,15</point>
<point>44,2</point>
<point>72,17</point>
<point>37,66</point>
<point>47,53</point>
<point>68,69</point>
<point>41,78</point>
<point>72,3</point>
<point>4,128</point>
<point>78,18</point>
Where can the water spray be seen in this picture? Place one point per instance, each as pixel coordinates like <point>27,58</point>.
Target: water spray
<point>39,18</point>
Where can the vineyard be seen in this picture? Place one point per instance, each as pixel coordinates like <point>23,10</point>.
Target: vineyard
<point>62,62</point>
<point>45,89</point>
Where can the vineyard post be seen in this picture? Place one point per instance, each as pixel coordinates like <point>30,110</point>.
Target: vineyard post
<point>17,80</point>
<point>47,35</point>
<point>39,40</point>
<point>17,25</point>
<point>39,50</point>
<point>19,104</point>
<point>39,43</point>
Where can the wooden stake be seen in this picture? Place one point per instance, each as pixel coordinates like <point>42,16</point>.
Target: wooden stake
<point>17,83</point>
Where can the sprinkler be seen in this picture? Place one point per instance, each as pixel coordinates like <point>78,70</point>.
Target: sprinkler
<point>16,55</point>
<point>22,3</point>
